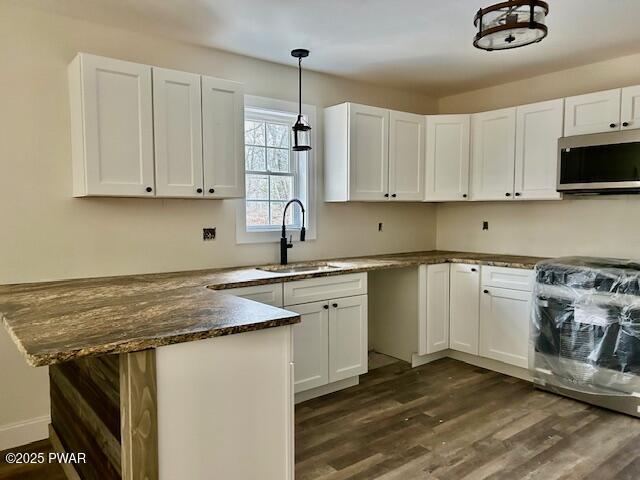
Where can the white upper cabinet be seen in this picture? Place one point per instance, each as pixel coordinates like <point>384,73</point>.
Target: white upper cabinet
<point>112,127</point>
<point>592,113</point>
<point>447,161</point>
<point>464,318</point>
<point>223,142</point>
<point>177,119</point>
<point>493,154</point>
<point>630,108</point>
<point>406,156</point>
<point>538,128</point>
<point>373,154</point>
<point>142,131</point>
<point>368,153</point>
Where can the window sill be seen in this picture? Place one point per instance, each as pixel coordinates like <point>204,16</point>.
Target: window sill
<point>271,236</point>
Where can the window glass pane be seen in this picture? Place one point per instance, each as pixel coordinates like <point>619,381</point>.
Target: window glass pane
<point>254,132</point>
<point>278,160</point>
<point>281,188</point>
<point>276,213</point>
<point>257,187</point>
<point>278,135</point>
<point>255,158</point>
<point>257,213</point>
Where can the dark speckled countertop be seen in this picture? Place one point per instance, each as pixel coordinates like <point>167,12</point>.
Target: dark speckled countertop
<point>54,322</point>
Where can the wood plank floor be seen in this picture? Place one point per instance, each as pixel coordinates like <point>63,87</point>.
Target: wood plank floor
<point>451,421</point>
<point>48,471</point>
<point>444,421</point>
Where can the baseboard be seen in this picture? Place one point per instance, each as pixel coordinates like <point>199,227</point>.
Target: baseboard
<point>475,360</point>
<point>326,389</point>
<point>418,360</point>
<point>20,433</point>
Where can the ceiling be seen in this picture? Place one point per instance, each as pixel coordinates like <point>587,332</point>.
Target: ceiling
<point>422,45</point>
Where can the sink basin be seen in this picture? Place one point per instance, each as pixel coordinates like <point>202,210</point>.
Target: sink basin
<point>318,267</point>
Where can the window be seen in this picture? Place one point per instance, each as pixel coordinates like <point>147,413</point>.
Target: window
<point>271,170</point>
<point>274,174</point>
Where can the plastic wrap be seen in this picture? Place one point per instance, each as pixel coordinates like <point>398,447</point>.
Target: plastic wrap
<point>585,327</point>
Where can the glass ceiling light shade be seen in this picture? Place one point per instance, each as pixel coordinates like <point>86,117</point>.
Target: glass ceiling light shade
<point>301,129</point>
<point>511,24</point>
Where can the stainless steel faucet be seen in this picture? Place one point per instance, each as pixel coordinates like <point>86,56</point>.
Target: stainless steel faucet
<point>284,244</point>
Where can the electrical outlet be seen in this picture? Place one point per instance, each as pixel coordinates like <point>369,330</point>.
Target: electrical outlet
<point>485,225</point>
<point>380,226</point>
<point>209,233</point>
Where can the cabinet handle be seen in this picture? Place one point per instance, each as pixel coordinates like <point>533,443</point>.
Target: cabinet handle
<point>149,189</point>
<point>394,195</point>
<point>464,195</point>
<point>517,194</point>
<point>625,124</point>
<point>474,269</point>
<point>211,190</point>
<point>326,307</point>
<point>199,190</point>
<point>612,125</point>
<point>507,194</point>
<point>386,195</point>
<point>335,305</point>
<point>485,291</point>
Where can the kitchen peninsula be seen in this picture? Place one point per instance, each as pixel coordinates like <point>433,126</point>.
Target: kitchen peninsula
<point>155,376</point>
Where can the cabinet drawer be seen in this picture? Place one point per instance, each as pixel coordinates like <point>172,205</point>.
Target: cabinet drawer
<point>269,294</point>
<point>512,278</point>
<point>325,288</point>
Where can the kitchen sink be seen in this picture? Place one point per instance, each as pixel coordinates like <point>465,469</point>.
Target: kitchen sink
<point>318,267</point>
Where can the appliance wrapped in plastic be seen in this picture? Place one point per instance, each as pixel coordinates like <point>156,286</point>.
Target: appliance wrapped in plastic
<point>585,330</point>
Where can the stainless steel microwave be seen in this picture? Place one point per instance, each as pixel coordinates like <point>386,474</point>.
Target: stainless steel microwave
<point>600,163</point>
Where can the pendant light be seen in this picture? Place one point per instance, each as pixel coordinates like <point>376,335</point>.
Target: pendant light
<point>511,24</point>
<point>301,129</point>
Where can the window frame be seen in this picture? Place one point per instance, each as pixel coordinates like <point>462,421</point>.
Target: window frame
<point>305,173</point>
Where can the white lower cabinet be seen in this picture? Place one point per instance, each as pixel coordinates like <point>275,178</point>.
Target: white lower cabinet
<point>311,346</point>
<point>433,306</point>
<point>330,342</point>
<point>347,337</point>
<point>504,325</point>
<point>268,294</point>
<point>464,309</point>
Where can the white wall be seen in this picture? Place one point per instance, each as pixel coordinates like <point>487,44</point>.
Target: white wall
<point>46,234</point>
<point>602,226</point>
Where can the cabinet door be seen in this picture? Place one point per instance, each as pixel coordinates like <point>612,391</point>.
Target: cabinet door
<point>222,134</point>
<point>592,113</point>
<point>630,108</point>
<point>538,128</point>
<point>406,156</point>
<point>437,307</point>
<point>368,153</point>
<point>447,171</point>
<point>311,346</point>
<point>493,154</point>
<point>118,127</point>
<point>464,323</point>
<point>347,337</point>
<point>504,325</point>
<point>177,120</point>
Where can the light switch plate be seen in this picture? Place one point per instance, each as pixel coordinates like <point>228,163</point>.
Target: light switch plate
<point>209,233</point>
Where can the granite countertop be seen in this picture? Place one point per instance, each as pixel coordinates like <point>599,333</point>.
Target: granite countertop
<point>58,321</point>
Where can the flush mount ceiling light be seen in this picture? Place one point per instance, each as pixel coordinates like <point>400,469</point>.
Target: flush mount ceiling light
<point>510,24</point>
<point>301,129</point>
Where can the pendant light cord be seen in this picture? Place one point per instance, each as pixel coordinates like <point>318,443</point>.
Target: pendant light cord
<point>299,86</point>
